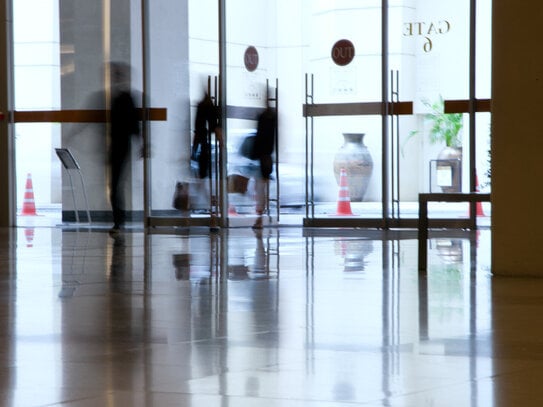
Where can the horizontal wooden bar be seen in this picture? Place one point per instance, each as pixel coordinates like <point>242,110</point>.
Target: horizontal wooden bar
<point>454,197</point>
<point>355,109</point>
<point>342,109</point>
<point>79,116</point>
<point>462,106</point>
<point>241,112</point>
<point>400,108</point>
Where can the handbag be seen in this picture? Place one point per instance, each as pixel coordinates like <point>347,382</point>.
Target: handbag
<point>237,184</point>
<point>180,199</point>
<point>248,147</point>
<point>195,154</point>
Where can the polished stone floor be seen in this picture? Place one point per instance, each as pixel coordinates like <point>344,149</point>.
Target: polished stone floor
<point>282,317</point>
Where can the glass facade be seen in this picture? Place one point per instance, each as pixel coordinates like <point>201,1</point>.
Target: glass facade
<point>359,87</point>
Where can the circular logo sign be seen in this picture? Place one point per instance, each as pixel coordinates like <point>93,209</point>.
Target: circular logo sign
<point>343,52</point>
<point>251,58</point>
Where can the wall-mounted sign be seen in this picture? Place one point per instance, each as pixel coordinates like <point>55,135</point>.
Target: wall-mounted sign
<point>426,30</point>
<point>251,58</point>
<point>343,52</point>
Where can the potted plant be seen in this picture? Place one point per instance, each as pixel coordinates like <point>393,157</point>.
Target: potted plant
<point>446,128</point>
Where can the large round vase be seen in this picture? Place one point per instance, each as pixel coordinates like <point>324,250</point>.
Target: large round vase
<point>355,158</point>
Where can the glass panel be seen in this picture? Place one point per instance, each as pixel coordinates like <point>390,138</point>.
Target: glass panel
<point>483,91</point>
<point>37,87</point>
<point>63,63</point>
<point>429,48</point>
<point>483,165</point>
<point>170,73</point>
<point>347,163</point>
<point>252,52</point>
<point>483,48</point>
<point>338,140</point>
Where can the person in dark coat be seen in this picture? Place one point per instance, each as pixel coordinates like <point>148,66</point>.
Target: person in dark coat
<point>264,146</point>
<point>207,121</point>
<point>124,124</point>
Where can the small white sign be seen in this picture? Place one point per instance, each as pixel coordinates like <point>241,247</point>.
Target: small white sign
<point>342,82</point>
<point>444,175</point>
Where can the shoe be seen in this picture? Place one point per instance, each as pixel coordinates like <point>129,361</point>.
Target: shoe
<point>258,224</point>
<point>115,229</point>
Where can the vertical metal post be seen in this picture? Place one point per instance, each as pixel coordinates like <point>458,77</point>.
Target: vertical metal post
<point>145,122</point>
<point>312,155</point>
<point>395,147</point>
<point>472,102</point>
<point>307,126</point>
<point>392,146</point>
<point>277,180</point>
<point>210,161</point>
<point>7,153</point>
<point>423,236</point>
<point>384,113</point>
<point>222,103</point>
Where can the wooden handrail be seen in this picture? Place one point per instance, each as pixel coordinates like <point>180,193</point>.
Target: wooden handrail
<point>80,116</point>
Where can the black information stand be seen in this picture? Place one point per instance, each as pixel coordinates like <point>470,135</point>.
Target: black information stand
<point>70,164</point>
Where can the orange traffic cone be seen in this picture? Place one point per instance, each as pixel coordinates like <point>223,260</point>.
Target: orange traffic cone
<point>29,207</point>
<point>344,199</point>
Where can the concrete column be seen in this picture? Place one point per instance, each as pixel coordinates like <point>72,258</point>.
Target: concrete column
<point>517,139</point>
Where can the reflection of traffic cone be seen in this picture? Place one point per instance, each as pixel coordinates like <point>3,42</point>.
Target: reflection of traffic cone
<point>29,207</point>
<point>344,199</point>
<point>29,235</point>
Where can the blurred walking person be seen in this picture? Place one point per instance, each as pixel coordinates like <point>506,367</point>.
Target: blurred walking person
<point>124,125</point>
<point>263,150</point>
<point>207,121</point>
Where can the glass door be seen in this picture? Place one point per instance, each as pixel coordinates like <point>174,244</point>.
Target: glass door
<point>343,108</point>
<point>182,67</point>
<point>442,147</point>
<point>416,76</point>
<point>356,89</point>
<point>70,59</point>
<point>252,92</point>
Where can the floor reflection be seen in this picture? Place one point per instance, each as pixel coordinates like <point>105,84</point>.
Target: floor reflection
<point>274,317</point>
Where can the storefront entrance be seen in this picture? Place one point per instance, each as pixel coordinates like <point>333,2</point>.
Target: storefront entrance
<point>375,104</point>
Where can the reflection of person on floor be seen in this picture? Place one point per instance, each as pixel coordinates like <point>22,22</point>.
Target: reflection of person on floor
<point>181,262</point>
<point>264,146</point>
<point>123,125</point>
<point>118,268</point>
<point>260,265</point>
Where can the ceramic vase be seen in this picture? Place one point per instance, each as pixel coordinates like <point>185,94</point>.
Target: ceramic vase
<point>356,159</point>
